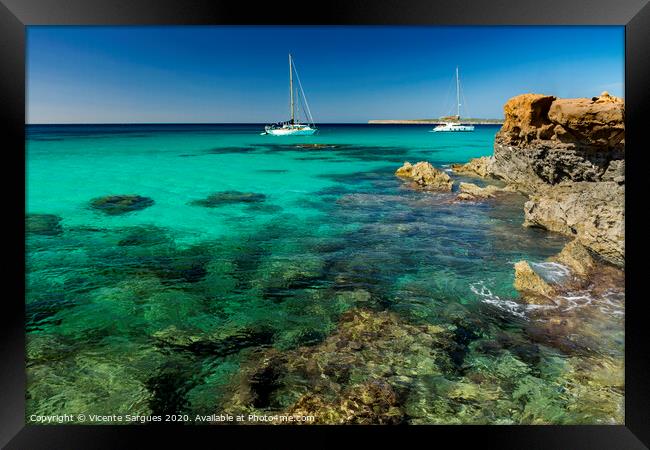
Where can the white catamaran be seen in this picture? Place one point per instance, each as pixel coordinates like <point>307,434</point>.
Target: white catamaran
<point>452,123</point>
<point>293,127</point>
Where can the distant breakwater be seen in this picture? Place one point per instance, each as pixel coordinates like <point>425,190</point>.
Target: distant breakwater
<point>432,121</point>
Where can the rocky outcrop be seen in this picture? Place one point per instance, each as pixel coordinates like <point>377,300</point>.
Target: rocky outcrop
<point>545,140</point>
<point>424,176</point>
<point>476,167</point>
<point>531,285</point>
<point>568,156</point>
<point>576,257</point>
<point>583,294</point>
<point>591,212</point>
<point>470,191</point>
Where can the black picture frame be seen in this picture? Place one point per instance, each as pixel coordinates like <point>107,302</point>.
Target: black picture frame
<point>15,15</point>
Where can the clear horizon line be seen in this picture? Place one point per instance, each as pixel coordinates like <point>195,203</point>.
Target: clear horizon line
<point>226,123</point>
<point>172,123</point>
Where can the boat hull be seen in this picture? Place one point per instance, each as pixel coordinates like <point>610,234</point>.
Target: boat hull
<point>453,129</point>
<point>291,132</point>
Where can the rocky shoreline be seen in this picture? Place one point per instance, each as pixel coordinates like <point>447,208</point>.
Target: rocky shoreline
<point>568,156</point>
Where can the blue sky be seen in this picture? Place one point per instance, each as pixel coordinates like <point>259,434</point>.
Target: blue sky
<point>350,74</point>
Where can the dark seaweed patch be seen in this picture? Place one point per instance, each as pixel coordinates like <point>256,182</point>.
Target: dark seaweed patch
<point>120,204</point>
<point>229,150</point>
<point>232,344</point>
<point>169,389</point>
<point>278,294</point>
<point>43,224</point>
<point>183,268</point>
<point>144,236</point>
<point>354,178</point>
<point>262,208</point>
<point>229,197</point>
<point>41,312</point>
<point>264,382</point>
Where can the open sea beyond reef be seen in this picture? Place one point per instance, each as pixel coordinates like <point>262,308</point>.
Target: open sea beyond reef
<point>333,280</point>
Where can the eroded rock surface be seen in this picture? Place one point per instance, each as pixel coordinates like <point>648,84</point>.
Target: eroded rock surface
<point>476,167</point>
<point>576,257</point>
<point>549,140</point>
<point>470,191</point>
<point>568,156</point>
<point>592,212</point>
<point>425,176</point>
<point>533,287</point>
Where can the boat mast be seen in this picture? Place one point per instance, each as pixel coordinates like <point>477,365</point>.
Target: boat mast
<point>291,87</point>
<point>458,92</point>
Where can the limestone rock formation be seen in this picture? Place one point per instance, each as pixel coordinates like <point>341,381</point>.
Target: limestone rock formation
<point>425,176</point>
<point>533,287</point>
<point>568,155</point>
<point>576,257</point>
<point>470,191</point>
<point>476,167</point>
<point>548,140</point>
<point>592,212</point>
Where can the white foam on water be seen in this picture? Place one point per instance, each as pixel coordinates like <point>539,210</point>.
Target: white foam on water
<point>479,288</point>
<point>575,301</point>
<point>612,302</point>
<point>551,271</point>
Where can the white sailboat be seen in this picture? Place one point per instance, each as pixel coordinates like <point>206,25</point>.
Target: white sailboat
<point>453,123</point>
<point>293,127</point>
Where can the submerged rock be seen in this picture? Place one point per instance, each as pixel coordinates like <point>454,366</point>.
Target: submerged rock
<point>225,341</point>
<point>371,403</point>
<point>120,204</point>
<point>425,176</point>
<point>316,146</point>
<point>144,236</point>
<point>356,375</point>
<point>43,224</point>
<point>480,167</point>
<point>262,208</point>
<point>185,266</point>
<point>228,198</point>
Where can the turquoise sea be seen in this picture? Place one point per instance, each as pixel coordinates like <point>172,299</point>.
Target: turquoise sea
<point>178,307</point>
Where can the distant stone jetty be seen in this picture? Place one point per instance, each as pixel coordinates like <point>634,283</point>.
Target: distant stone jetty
<point>433,121</point>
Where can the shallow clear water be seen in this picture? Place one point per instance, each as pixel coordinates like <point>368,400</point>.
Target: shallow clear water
<point>164,309</point>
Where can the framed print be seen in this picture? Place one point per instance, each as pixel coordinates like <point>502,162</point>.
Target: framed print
<point>231,219</point>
